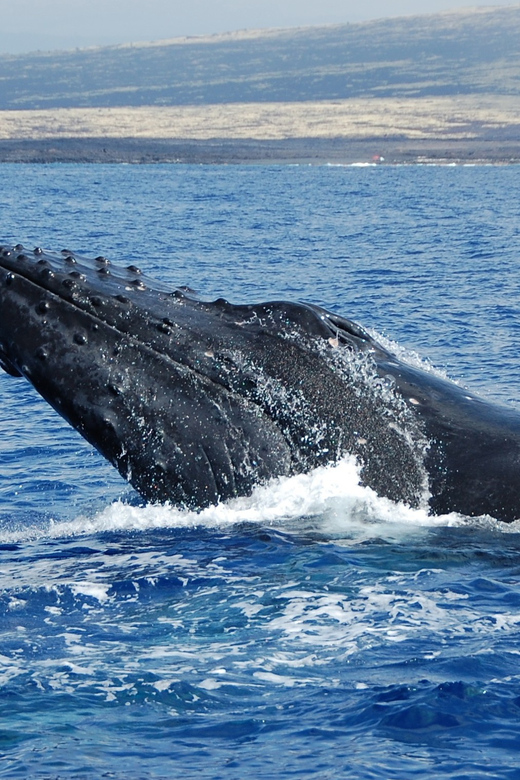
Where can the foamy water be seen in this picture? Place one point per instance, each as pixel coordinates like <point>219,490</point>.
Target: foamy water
<point>328,500</point>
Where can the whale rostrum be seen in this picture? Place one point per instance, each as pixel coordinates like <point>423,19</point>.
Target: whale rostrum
<point>196,401</point>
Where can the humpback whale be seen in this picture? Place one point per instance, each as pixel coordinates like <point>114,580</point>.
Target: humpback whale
<point>196,401</point>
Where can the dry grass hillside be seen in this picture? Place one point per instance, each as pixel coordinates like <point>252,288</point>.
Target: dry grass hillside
<point>463,117</point>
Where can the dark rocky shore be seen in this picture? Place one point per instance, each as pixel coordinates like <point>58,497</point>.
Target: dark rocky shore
<point>288,151</point>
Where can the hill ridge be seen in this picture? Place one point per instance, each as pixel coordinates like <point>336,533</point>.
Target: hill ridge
<point>248,33</point>
<point>456,52</point>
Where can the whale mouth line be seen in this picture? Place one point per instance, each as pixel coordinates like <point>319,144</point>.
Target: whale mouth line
<point>96,293</point>
<point>117,309</point>
<point>127,303</point>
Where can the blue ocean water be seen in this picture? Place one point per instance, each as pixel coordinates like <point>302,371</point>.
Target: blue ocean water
<point>312,630</point>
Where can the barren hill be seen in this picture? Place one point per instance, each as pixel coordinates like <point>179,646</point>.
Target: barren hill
<point>474,51</point>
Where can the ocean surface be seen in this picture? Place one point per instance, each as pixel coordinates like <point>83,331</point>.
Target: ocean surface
<point>312,630</point>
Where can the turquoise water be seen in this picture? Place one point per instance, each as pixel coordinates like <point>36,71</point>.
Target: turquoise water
<point>313,630</point>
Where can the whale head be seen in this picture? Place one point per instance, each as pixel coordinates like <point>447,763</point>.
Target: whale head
<point>196,401</point>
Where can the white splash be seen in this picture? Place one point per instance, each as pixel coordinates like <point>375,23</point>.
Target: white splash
<point>328,500</point>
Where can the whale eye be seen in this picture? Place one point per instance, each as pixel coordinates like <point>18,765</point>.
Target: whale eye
<point>114,389</point>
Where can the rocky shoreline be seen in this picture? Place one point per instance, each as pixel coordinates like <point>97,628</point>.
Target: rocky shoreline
<point>227,151</point>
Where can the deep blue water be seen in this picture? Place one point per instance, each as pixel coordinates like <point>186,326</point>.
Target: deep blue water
<point>314,630</point>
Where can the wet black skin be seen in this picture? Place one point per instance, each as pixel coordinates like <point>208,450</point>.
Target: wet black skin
<point>195,402</point>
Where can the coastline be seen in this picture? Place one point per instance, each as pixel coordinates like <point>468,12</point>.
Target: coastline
<point>460,129</point>
<point>288,151</point>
